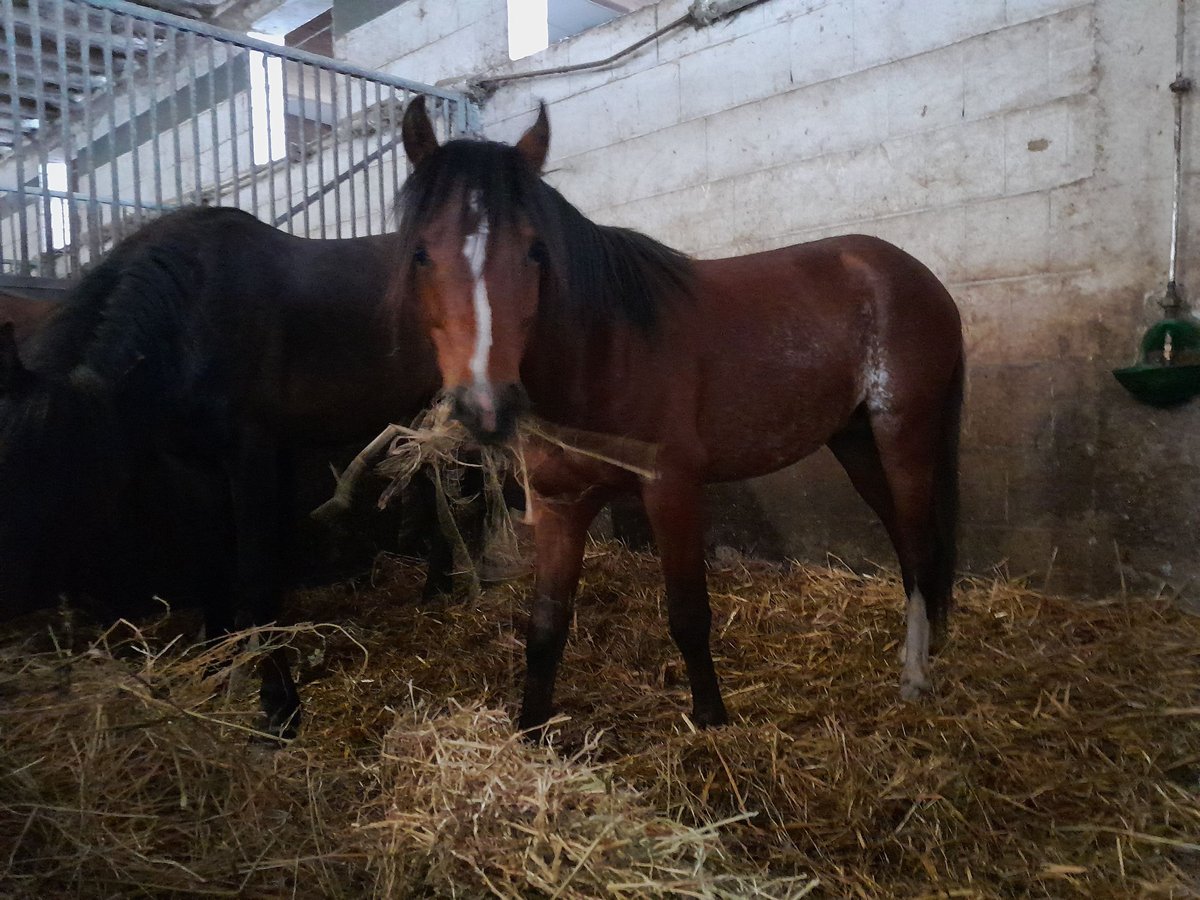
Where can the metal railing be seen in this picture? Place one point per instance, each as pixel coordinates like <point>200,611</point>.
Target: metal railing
<point>111,113</point>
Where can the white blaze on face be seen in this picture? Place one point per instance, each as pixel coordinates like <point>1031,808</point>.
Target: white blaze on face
<point>475,251</point>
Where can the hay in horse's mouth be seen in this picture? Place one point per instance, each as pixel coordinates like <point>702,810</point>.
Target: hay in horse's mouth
<point>438,444</point>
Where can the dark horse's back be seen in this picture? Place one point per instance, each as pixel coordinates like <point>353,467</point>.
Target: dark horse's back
<point>161,414</point>
<point>215,313</point>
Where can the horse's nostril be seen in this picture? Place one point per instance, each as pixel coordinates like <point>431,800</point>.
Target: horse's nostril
<point>490,414</point>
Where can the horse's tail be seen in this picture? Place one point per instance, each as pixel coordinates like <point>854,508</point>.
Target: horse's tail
<point>945,508</point>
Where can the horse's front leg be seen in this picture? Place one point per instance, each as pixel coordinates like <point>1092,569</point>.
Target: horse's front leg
<point>560,530</point>
<point>676,512</point>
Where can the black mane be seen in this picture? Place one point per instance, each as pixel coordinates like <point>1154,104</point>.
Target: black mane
<point>131,309</point>
<point>600,271</point>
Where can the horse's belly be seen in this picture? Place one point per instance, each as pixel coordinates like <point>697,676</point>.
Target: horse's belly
<point>783,419</point>
<point>761,454</point>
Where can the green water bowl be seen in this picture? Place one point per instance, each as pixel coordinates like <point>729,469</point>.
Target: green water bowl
<point>1160,385</point>
<point>1161,377</point>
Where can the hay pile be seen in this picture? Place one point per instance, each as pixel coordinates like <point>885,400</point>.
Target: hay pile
<point>1059,757</point>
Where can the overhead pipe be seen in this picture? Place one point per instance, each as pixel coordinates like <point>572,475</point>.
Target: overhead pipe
<point>700,14</point>
<point>705,12</point>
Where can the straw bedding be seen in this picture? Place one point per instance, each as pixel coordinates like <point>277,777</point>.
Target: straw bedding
<point>1060,755</point>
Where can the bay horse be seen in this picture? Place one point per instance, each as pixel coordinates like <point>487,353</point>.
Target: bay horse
<point>163,400</point>
<point>733,367</point>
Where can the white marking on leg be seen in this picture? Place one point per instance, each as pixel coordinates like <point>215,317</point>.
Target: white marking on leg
<point>475,251</point>
<point>914,679</point>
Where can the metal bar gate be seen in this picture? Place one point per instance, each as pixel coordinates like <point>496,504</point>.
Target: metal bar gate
<point>111,113</point>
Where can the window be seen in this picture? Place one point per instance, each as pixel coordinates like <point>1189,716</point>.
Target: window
<point>266,103</point>
<point>54,178</point>
<point>527,28</point>
<point>535,24</point>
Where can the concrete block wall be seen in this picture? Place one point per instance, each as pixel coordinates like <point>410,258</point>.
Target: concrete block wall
<point>1021,148</point>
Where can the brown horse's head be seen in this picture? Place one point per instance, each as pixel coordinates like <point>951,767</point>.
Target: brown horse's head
<point>475,262</point>
<point>498,261</point>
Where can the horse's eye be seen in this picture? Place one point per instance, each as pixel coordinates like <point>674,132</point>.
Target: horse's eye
<point>421,256</point>
<point>537,253</point>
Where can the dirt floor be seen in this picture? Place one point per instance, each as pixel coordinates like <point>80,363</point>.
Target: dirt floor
<point>1059,756</point>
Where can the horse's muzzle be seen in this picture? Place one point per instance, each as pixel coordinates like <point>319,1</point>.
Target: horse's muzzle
<point>490,413</point>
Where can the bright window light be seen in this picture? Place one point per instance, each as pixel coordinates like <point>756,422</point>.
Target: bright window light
<point>528,28</point>
<point>54,178</point>
<point>266,102</point>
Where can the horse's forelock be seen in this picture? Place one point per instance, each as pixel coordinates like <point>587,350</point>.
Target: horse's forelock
<point>493,172</point>
<point>599,271</point>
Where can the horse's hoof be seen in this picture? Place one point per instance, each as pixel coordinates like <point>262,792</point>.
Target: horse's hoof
<point>713,717</point>
<point>281,716</point>
<point>533,727</point>
<point>282,726</point>
<point>913,690</point>
<point>438,589</point>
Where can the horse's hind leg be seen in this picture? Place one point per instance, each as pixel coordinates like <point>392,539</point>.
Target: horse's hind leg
<point>676,512</point>
<point>896,465</point>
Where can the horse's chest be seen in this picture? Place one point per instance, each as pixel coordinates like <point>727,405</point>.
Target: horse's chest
<point>558,473</point>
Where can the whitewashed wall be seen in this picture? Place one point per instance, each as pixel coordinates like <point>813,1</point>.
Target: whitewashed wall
<point>1021,148</point>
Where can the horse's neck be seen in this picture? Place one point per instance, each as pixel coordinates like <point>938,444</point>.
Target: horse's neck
<point>571,371</point>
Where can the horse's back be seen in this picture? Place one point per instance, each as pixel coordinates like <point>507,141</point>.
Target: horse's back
<point>836,264</point>
<point>843,297</point>
<point>227,315</point>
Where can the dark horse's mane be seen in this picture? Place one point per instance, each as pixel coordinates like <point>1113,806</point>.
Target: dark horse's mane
<point>601,271</point>
<point>131,309</point>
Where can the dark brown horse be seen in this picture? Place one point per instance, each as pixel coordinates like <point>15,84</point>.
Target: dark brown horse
<point>163,402</point>
<point>733,367</point>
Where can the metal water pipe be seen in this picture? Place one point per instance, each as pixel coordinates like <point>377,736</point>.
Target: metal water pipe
<point>1168,368</point>
<point>705,12</point>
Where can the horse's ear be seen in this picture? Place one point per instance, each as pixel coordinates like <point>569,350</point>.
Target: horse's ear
<point>534,144</point>
<point>417,132</point>
<point>11,368</point>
